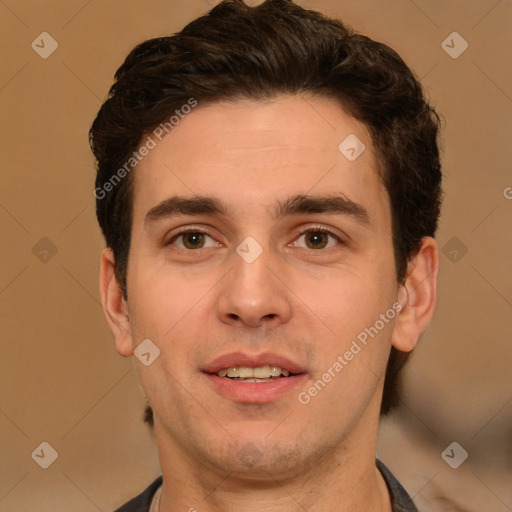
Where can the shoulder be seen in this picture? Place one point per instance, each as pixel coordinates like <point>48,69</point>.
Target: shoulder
<point>400,500</point>
<point>142,502</point>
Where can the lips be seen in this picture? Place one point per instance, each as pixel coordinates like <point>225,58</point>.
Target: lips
<point>242,359</point>
<point>254,390</point>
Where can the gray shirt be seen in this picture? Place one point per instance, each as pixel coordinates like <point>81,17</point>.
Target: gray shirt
<point>400,500</point>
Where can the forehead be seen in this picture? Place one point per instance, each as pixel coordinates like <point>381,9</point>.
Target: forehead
<point>253,152</point>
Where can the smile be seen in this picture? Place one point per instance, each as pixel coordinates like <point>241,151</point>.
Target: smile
<point>264,373</point>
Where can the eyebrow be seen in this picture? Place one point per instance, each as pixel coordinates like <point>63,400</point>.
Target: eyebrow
<point>336,204</point>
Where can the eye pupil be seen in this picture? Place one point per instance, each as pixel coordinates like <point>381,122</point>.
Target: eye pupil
<point>193,240</point>
<point>316,239</point>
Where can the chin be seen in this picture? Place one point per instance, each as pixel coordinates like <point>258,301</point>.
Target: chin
<point>257,458</point>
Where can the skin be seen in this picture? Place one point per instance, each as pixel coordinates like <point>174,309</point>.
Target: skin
<point>305,302</point>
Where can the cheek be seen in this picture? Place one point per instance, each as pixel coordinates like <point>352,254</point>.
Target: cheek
<point>350,305</point>
<point>348,299</point>
<point>174,309</point>
<point>158,302</point>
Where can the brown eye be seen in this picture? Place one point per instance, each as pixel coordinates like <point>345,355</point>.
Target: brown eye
<point>191,240</point>
<point>317,239</point>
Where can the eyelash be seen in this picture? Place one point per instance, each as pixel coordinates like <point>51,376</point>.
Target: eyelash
<point>319,229</point>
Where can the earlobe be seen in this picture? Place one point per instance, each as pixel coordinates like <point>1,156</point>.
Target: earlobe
<point>114,305</point>
<point>417,295</point>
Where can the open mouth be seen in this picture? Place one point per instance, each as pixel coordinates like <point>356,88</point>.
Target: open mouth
<point>265,373</point>
<point>254,379</point>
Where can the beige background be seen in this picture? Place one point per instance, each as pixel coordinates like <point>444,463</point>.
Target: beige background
<point>62,381</point>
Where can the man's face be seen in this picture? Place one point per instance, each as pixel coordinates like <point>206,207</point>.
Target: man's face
<point>210,301</point>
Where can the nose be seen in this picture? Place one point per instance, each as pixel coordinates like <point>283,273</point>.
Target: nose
<point>253,295</point>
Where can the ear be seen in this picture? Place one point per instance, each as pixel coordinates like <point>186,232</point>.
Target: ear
<point>417,296</point>
<point>114,304</point>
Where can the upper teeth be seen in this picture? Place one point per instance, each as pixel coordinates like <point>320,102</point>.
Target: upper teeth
<point>260,372</point>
